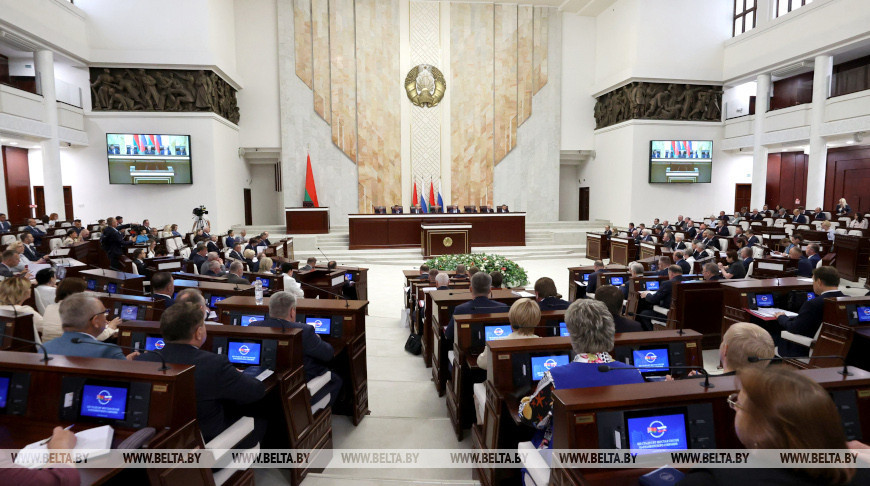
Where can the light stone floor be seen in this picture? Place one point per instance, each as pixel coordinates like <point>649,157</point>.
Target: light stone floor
<point>405,409</point>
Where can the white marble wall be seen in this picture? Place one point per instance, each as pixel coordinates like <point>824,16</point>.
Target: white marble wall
<point>303,131</point>
<point>527,179</point>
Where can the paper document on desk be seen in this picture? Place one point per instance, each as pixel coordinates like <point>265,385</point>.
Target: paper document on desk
<point>426,290</point>
<point>522,293</point>
<point>97,441</point>
<point>768,312</point>
<point>582,284</point>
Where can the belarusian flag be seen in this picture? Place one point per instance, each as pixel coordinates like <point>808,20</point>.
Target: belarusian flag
<point>310,190</point>
<point>414,197</point>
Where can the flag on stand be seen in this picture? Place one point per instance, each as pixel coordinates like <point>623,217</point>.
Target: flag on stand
<point>423,205</point>
<point>440,199</point>
<point>310,190</point>
<point>432,200</point>
<point>414,197</point>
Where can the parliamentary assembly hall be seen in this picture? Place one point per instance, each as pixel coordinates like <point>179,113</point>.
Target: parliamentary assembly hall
<point>435,242</point>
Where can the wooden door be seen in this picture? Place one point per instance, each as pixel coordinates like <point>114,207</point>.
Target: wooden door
<point>584,204</point>
<point>16,168</point>
<point>742,196</point>
<point>68,203</point>
<point>39,200</point>
<point>249,219</point>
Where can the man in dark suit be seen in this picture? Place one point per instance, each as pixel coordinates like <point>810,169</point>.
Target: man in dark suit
<point>667,239</point>
<point>137,256</point>
<point>698,253</point>
<point>211,244</point>
<point>755,216</point>
<point>481,285</point>
<point>661,298</point>
<point>711,272</point>
<point>264,239</point>
<point>5,226</point>
<point>710,240</point>
<point>113,243</point>
<point>826,283</point>
<point>253,243</point>
<point>218,383</point>
<point>236,253</point>
<point>635,270</point>
<point>11,259</point>
<point>199,256</point>
<point>746,257</point>
<point>680,224</point>
<point>691,231</point>
<point>37,233</point>
<point>607,231</point>
<point>813,254</point>
<point>799,217</point>
<point>818,215</point>
<point>316,353</point>
<point>592,284</point>
<point>30,251</point>
<point>679,244</point>
<point>722,230</point>
<point>663,263</point>
<point>804,267</point>
<point>751,239</point>
<point>722,216</point>
<point>84,318</point>
<point>547,297</point>
<point>681,261</point>
<point>311,262</point>
<point>612,298</point>
<point>702,229</point>
<point>163,288</point>
<point>121,226</point>
<point>235,274</point>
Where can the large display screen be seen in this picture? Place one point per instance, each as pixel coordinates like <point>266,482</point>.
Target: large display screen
<point>101,401</point>
<point>148,158</point>
<point>494,333</point>
<point>651,360</point>
<point>322,325</point>
<point>542,364</point>
<point>245,353</point>
<point>654,432</point>
<point>680,161</point>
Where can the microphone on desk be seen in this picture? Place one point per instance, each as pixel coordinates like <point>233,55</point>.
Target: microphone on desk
<point>324,254</point>
<point>706,383</point>
<point>845,371</point>
<point>346,303</point>
<point>143,351</point>
<point>45,357</point>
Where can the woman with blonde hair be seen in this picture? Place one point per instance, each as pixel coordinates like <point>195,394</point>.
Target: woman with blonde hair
<point>780,409</point>
<point>13,292</point>
<point>843,207</point>
<point>523,316</point>
<point>265,265</point>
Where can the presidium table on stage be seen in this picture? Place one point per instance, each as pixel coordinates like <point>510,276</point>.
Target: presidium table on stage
<point>372,231</point>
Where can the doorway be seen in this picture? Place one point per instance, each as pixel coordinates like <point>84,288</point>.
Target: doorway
<point>584,204</point>
<point>39,200</point>
<point>68,203</point>
<point>16,168</point>
<point>742,196</point>
<point>249,219</point>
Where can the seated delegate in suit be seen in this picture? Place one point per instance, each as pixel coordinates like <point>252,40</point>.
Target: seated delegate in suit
<point>842,208</point>
<point>746,257</point>
<point>794,242</point>
<point>592,335</point>
<point>37,233</point>
<point>523,315</point>
<point>592,284</point>
<point>663,263</point>
<point>722,230</point>
<point>710,240</point>
<point>780,409</point>
<point>13,293</point>
<point>751,239</point>
<point>710,272</point>
<point>826,283</point>
<point>798,217</point>
<point>290,283</point>
<point>661,298</point>
<point>30,251</point>
<point>84,318</point>
<point>818,215</point>
<point>311,262</point>
<point>679,244</point>
<point>668,240</point>
<point>804,266</point>
<point>635,270</point>
<point>481,287</point>
<point>211,244</point>
<point>700,251</point>
<point>735,268</point>
<point>316,352</point>
<point>681,261</point>
<point>199,255</point>
<point>218,383</point>
<point>163,288</point>
<point>691,231</point>
<point>136,257</point>
<point>215,269</point>
<point>8,267</point>
<point>722,216</point>
<point>547,297</point>
<point>813,256</point>
<point>5,226</point>
<point>612,298</point>
<point>442,281</point>
<point>236,253</point>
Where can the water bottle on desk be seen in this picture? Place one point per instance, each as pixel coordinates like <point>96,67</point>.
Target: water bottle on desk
<point>258,292</point>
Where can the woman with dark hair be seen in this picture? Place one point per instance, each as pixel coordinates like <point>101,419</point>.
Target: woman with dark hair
<point>735,267</point>
<point>780,409</point>
<point>856,221</point>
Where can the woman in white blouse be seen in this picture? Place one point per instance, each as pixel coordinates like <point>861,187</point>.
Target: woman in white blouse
<point>13,292</point>
<point>51,324</point>
<point>857,222</point>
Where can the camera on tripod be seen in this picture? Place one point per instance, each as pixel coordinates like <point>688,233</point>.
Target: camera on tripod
<point>198,212</point>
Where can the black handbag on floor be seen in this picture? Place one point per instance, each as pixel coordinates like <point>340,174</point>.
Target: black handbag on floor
<point>414,344</point>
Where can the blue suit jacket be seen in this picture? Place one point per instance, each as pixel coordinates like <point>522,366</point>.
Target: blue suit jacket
<point>167,301</point>
<point>5,227</point>
<point>592,284</point>
<point>480,305</point>
<point>799,219</point>
<point>37,234</point>
<point>752,241</point>
<point>316,352</point>
<point>687,269</point>
<point>64,346</point>
<point>805,267</point>
<point>216,381</point>
<point>663,296</point>
<point>553,303</point>
<point>806,323</point>
<point>819,216</point>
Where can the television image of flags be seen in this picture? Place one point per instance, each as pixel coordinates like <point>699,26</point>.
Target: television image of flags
<point>681,161</point>
<point>137,158</point>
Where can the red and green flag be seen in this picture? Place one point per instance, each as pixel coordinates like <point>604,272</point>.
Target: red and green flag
<point>414,201</point>
<point>310,190</point>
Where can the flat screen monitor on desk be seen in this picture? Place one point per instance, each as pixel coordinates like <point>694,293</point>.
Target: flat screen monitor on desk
<point>112,288</point>
<point>651,285</point>
<point>4,392</point>
<point>129,312</point>
<point>247,320</point>
<point>616,281</point>
<point>104,401</point>
<point>563,330</point>
<point>495,333</point>
<point>859,315</point>
<point>656,430</point>
<point>265,281</point>
<point>154,343</point>
<point>244,352</point>
<point>586,277</point>
<point>540,365</point>
<point>214,299</point>
<point>348,276</point>
<point>763,300</point>
<point>652,361</point>
<point>322,325</point>
<point>642,430</point>
<point>92,284</point>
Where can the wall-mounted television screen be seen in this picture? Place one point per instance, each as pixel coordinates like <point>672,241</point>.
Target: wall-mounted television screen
<point>680,161</point>
<point>148,158</point>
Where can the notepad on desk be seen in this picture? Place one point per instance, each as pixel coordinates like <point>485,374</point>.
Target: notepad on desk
<point>97,441</point>
<point>523,293</point>
<point>767,313</point>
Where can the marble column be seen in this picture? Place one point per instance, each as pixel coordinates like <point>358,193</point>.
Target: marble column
<point>818,159</point>
<point>759,151</point>
<point>50,147</point>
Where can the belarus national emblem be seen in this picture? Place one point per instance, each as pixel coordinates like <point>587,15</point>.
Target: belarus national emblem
<point>425,85</point>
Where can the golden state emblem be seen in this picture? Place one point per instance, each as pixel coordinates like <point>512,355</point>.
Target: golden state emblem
<point>425,85</point>
<point>448,242</point>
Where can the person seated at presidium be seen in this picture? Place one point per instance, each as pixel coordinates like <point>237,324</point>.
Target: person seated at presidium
<point>523,315</point>
<point>311,262</point>
<point>780,409</point>
<point>612,298</point>
<point>217,381</point>
<point>84,318</point>
<point>547,297</point>
<point>316,352</point>
<point>480,287</point>
<point>826,284</point>
<point>735,268</point>
<point>592,336</point>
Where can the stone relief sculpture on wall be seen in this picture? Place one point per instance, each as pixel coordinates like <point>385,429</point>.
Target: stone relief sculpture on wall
<point>659,101</point>
<point>124,89</point>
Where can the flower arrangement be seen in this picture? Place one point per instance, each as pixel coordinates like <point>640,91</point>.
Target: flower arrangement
<point>514,275</point>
